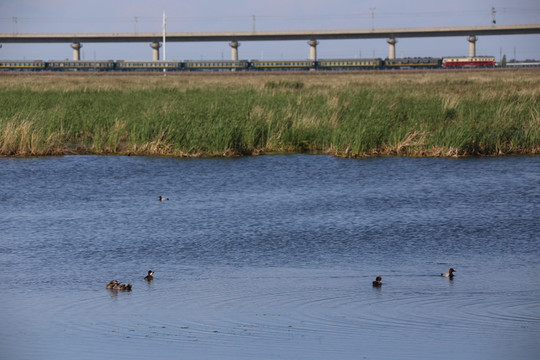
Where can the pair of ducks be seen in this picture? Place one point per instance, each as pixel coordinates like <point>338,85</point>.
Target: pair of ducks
<point>115,285</point>
<point>449,274</point>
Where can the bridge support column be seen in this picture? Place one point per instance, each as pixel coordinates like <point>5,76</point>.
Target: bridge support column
<point>155,50</point>
<point>472,45</point>
<point>391,48</point>
<point>76,51</point>
<point>234,50</point>
<point>313,49</point>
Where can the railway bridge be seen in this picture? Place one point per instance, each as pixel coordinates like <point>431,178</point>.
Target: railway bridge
<point>471,33</point>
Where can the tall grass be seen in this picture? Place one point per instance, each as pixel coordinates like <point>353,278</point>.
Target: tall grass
<point>450,114</point>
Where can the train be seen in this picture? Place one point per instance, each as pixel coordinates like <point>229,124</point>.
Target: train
<point>251,65</point>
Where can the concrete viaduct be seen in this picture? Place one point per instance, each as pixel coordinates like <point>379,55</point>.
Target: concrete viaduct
<point>470,32</point>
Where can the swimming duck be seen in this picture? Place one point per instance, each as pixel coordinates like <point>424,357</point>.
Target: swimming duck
<point>377,282</point>
<point>150,276</point>
<point>126,287</point>
<point>112,284</point>
<point>449,274</point>
<point>161,198</point>
<point>116,286</point>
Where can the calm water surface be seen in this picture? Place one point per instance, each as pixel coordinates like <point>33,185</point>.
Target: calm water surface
<point>270,257</point>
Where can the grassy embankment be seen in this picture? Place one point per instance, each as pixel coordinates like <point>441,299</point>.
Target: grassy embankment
<point>391,113</point>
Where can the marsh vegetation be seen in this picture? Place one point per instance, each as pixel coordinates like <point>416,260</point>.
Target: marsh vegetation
<point>432,113</point>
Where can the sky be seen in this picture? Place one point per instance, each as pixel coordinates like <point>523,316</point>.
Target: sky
<point>122,16</point>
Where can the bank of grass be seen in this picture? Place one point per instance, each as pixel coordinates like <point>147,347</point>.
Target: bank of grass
<point>351,115</point>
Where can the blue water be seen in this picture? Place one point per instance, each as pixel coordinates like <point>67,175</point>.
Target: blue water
<point>270,257</point>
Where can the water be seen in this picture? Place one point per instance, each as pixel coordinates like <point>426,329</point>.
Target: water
<point>270,257</point>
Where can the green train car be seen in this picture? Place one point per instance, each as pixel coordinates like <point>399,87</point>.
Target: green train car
<point>80,65</point>
<point>280,65</point>
<point>413,63</point>
<point>22,65</point>
<point>349,64</point>
<point>124,65</point>
<point>215,65</point>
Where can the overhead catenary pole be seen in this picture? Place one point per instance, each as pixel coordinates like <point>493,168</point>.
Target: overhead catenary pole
<point>164,31</point>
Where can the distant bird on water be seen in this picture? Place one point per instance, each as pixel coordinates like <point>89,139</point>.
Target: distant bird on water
<point>377,282</point>
<point>161,198</point>
<point>114,285</point>
<point>449,274</point>
<point>126,287</point>
<point>150,276</point>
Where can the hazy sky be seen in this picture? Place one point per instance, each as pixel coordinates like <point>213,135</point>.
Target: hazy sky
<point>74,16</point>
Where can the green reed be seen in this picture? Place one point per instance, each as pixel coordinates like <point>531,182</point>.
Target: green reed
<point>438,117</point>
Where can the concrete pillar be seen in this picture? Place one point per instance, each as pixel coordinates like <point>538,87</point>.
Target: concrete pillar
<point>391,48</point>
<point>76,51</point>
<point>155,50</point>
<point>234,50</point>
<point>313,49</point>
<point>472,45</point>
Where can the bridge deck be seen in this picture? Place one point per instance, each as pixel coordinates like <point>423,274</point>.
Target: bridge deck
<point>272,35</point>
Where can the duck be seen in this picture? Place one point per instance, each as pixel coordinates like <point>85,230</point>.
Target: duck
<point>150,276</point>
<point>161,198</point>
<point>112,284</point>
<point>377,282</point>
<point>126,287</point>
<point>449,274</point>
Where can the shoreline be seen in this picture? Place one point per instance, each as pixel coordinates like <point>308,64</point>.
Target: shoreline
<point>450,154</point>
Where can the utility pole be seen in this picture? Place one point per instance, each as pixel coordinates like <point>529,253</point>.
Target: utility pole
<point>164,31</point>
<point>493,22</point>
<point>372,18</point>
